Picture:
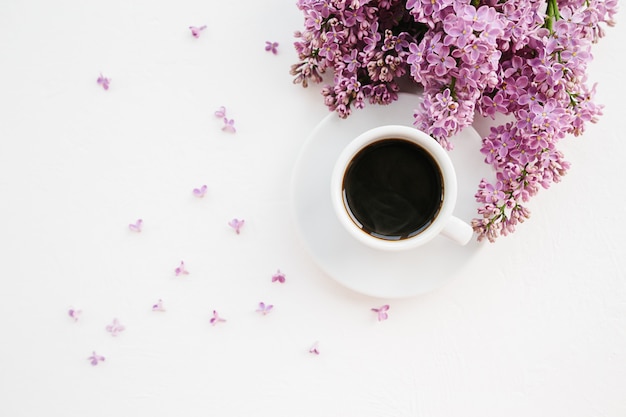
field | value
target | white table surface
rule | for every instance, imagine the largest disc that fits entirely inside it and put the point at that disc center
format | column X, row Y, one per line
column 533, row 325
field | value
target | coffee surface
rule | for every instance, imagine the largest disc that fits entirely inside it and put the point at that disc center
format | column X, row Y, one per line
column 393, row 189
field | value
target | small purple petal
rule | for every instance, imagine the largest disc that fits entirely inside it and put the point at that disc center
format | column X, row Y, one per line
column 315, row 348
column 221, row 112
column 271, row 47
column 195, row 31
column 264, row 309
column 216, row 319
column 94, row 359
column 200, row 192
column 115, row 328
column 136, row 227
column 381, row 312
column 229, row 125
column 236, row 224
column 158, row 306
column 279, row 277
column 181, row 269
column 103, row 81
column 74, row 314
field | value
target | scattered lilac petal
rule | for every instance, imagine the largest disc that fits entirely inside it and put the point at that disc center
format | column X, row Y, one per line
column 216, row 319
column 236, row 224
column 74, row 313
column 271, row 47
column 264, row 309
column 221, row 112
column 136, row 227
column 315, row 348
column 200, row 192
column 94, row 359
column 195, row 31
column 181, row 269
column 381, row 312
column 229, row 125
column 115, row 328
column 278, row 277
column 104, row 81
column 158, row 306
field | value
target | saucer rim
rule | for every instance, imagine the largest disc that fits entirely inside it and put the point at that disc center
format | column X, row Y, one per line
column 306, row 240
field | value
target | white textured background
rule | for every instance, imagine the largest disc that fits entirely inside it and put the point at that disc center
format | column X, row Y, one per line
column 535, row 325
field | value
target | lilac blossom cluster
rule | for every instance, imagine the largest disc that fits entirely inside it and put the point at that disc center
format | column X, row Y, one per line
column 526, row 59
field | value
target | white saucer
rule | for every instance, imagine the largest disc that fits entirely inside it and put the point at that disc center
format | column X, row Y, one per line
column 352, row 264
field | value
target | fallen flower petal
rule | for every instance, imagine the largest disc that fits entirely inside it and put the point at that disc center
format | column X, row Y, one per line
column 181, row 269
column 279, row 277
column 216, row 319
column 236, row 224
column 264, row 309
column 94, row 359
column 115, row 328
column 315, row 348
column 136, row 227
column 195, row 31
column 74, row 314
column 221, row 112
column 158, row 306
column 103, row 81
column 271, row 47
column 229, row 125
column 200, row 192
column 381, row 312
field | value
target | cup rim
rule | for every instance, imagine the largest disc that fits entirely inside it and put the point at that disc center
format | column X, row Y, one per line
column 425, row 141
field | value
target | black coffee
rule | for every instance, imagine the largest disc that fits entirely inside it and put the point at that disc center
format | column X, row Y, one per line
column 393, row 189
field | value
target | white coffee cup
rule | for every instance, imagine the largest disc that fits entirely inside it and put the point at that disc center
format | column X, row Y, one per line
column 365, row 182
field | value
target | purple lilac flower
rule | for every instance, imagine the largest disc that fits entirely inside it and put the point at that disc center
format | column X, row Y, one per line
column 104, row 82
column 478, row 18
column 491, row 193
column 264, row 309
column 329, row 51
column 271, row 47
column 137, row 226
column 115, row 328
column 195, row 30
column 458, row 31
column 236, row 224
column 522, row 154
column 493, row 105
column 490, row 150
column 440, row 60
column 381, row 312
column 279, row 277
column 515, row 57
column 95, row 359
column 216, row 319
column 314, row 20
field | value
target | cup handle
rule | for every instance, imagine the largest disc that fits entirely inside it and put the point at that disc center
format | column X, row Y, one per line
column 457, row 230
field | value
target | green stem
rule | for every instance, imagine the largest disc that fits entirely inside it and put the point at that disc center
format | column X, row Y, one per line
column 452, row 91
column 552, row 14
column 555, row 9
